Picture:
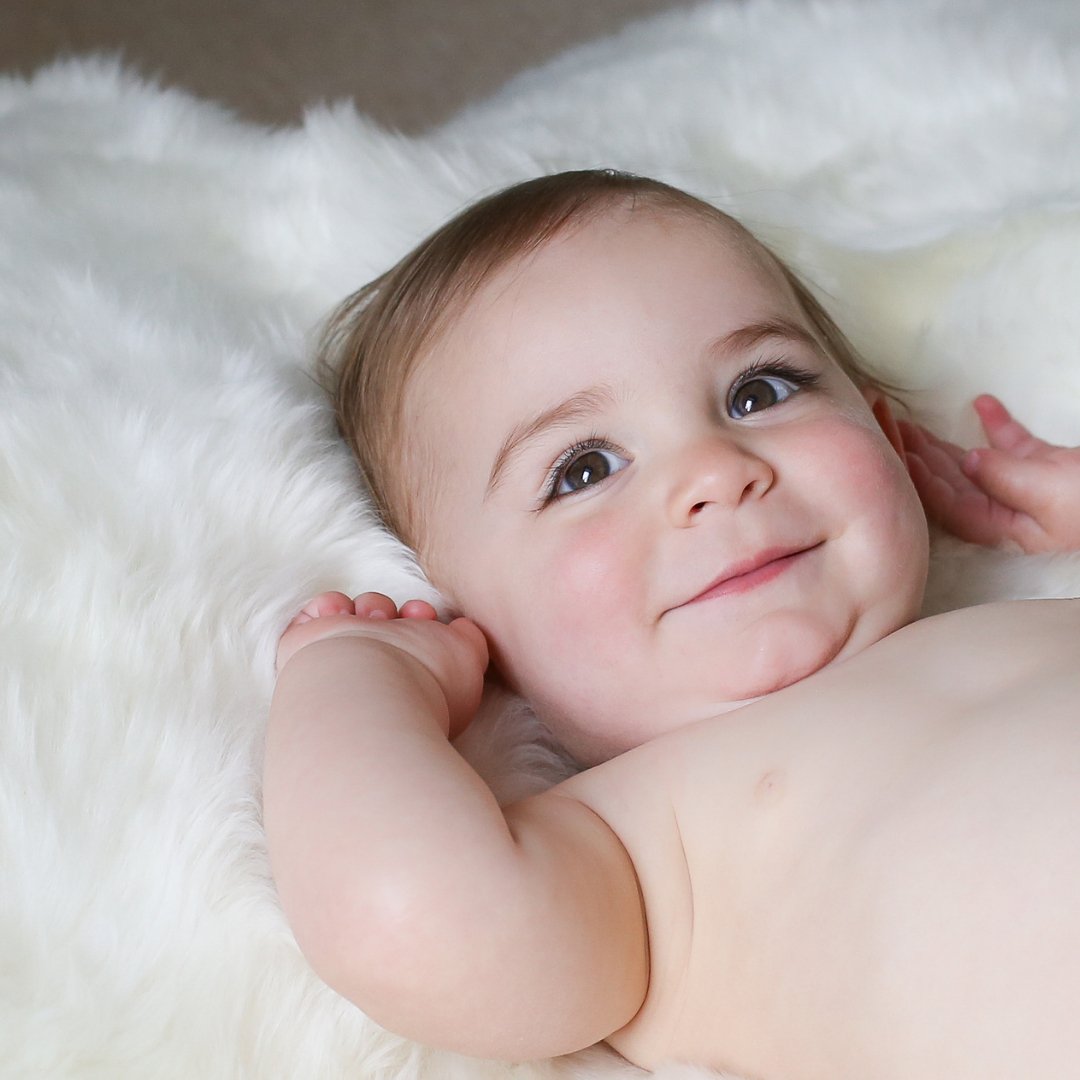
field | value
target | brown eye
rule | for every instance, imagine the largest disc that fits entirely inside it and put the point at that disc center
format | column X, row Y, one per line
column 585, row 469
column 754, row 396
column 764, row 391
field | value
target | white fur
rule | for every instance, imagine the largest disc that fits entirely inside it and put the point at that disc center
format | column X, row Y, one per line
column 171, row 488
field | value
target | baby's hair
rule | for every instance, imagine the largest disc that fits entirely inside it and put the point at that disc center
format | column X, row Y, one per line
column 373, row 341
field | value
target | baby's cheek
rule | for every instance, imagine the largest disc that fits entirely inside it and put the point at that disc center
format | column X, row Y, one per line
column 593, row 588
column 886, row 516
column 885, row 475
column 859, row 461
column 588, row 617
column 593, row 572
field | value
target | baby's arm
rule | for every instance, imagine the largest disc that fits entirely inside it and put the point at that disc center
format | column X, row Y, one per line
column 1019, row 489
column 513, row 933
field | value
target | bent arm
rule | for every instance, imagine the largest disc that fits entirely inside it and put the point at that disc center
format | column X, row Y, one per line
column 514, row 934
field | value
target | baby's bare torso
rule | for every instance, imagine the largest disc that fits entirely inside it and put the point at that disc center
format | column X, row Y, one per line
column 875, row 872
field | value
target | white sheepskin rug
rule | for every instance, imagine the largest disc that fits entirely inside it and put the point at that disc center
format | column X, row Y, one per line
column 171, row 487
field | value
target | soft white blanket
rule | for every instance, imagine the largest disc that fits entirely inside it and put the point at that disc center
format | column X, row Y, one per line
column 171, row 488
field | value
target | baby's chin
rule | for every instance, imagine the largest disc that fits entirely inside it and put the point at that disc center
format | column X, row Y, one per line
column 783, row 677
column 783, row 665
column 800, row 664
column 798, row 650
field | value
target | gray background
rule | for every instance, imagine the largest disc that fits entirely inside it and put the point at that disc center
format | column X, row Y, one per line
column 407, row 63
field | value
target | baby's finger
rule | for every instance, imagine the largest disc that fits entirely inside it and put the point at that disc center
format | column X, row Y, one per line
column 1002, row 431
column 375, row 605
column 1018, row 486
column 941, row 457
column 327, row 603
column 418, row 609
column 954, row 502
column 1002, row 476
column 924, row 442
column 939, row 498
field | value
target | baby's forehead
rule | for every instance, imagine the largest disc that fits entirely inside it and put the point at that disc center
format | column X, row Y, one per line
column 558, row 257
column 570, row 264
column 600, row 232
column 467, row 328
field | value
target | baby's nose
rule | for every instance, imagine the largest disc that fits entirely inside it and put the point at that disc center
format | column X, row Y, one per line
column 716, row 472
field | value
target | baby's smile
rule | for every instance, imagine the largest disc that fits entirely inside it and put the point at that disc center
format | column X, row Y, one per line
column 750, row 573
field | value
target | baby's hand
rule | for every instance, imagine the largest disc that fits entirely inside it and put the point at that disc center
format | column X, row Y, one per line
column 455, row 654
column 1019, row 489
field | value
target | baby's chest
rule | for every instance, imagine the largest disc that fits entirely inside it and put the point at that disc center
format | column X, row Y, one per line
column 751, row 832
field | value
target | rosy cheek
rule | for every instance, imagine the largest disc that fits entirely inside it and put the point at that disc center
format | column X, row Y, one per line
column 879, row 497
column 860, row 456
column 592, row 569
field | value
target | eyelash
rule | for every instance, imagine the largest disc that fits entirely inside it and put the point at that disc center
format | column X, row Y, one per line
column 799, row 377
column 551, row 486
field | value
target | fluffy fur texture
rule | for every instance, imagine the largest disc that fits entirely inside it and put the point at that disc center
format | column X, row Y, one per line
column 171, row 488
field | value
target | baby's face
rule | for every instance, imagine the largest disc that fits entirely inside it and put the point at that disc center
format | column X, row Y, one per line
column 624, row 419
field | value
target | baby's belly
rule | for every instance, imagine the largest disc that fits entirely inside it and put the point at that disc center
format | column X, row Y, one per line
column 840, row 858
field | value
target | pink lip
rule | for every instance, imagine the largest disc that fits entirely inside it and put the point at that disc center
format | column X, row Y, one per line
column 747, row 575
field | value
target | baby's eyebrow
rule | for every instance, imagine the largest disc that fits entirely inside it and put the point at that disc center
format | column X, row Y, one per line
column 576, row 407
column 747, row 337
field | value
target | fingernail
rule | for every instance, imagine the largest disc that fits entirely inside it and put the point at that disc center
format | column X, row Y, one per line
column 378, row 613
column 970, row 461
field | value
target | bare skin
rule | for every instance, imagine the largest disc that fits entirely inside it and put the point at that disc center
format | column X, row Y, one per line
column 833, row 881
column 880, row 883
column 860, row 863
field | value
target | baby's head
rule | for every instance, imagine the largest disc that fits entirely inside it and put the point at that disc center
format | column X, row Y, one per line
column 588, row 399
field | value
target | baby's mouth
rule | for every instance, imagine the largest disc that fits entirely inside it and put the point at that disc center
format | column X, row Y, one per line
column 750, row 573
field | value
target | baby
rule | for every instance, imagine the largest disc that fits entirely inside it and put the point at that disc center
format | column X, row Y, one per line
column 815, row 836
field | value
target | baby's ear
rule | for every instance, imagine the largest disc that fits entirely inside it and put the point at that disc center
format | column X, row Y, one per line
column 879, row 406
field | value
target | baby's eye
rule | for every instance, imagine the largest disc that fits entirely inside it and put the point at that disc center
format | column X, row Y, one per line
column 582, row 467
column 757, row 391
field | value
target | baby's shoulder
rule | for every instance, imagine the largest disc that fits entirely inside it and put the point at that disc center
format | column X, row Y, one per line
column 1046, row 611
column 1009, row 632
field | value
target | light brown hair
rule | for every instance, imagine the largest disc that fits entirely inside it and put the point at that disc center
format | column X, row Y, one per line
column 373, row 341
